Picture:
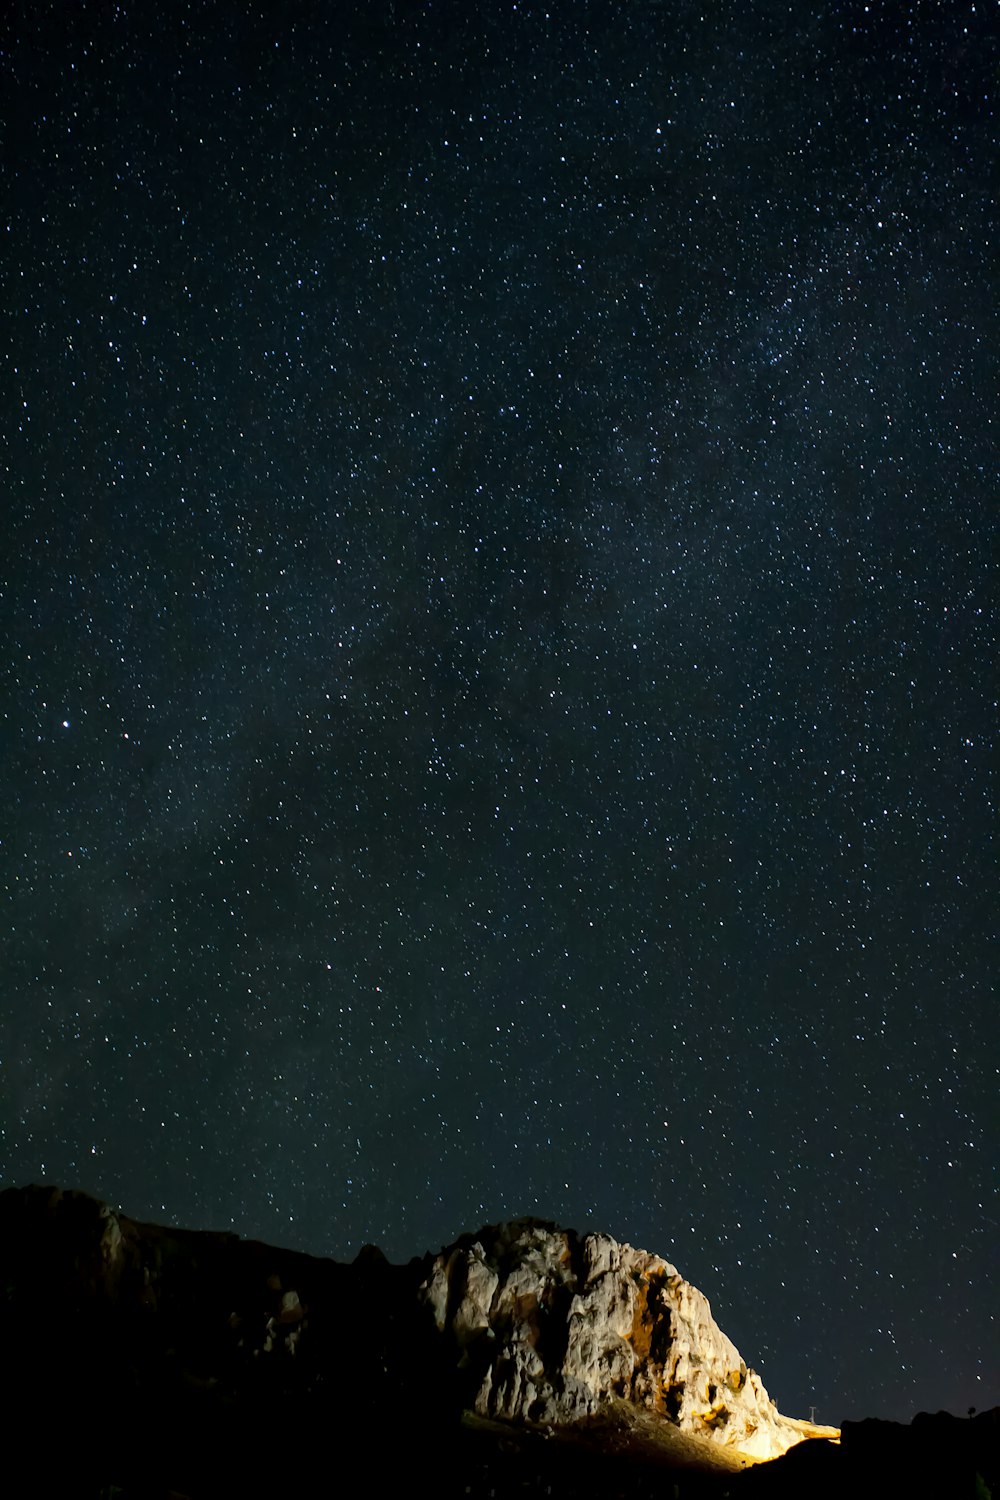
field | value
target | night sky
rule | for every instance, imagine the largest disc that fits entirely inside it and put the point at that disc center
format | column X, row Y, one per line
column 497, row 656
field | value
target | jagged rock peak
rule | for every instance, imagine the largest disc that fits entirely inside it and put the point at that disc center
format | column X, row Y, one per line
column 553, row 1326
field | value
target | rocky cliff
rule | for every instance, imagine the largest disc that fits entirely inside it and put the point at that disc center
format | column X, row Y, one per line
column 143, row 1344
column 552, row 1326
column 150, row 1362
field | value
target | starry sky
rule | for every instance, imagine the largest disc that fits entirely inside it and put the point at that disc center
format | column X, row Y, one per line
column 497, row 656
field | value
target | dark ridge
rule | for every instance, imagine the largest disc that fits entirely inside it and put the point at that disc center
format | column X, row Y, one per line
column 152, row 1363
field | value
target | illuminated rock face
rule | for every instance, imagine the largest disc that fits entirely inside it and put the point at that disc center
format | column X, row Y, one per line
column 552, row 1326
column 533, row 1323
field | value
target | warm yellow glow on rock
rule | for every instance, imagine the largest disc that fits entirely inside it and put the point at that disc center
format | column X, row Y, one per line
column 555, row 1327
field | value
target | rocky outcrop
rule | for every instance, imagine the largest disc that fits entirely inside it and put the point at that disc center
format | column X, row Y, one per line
column 144, row 1360
column 524, row 1322
column 552, row 1327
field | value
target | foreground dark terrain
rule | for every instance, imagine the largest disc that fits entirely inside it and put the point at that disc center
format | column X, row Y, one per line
column 141, row 1361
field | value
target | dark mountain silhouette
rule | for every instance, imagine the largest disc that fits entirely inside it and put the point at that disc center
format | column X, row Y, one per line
column 143, row 1361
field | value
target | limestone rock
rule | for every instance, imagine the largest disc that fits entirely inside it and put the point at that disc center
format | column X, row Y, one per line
column 553, row 1327
column 523, row 1321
